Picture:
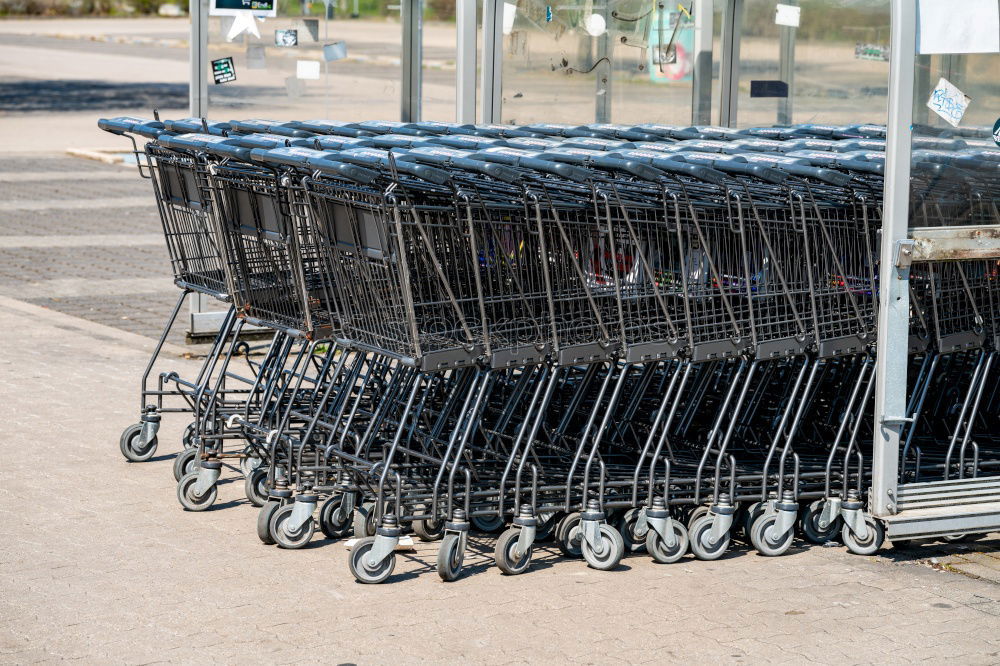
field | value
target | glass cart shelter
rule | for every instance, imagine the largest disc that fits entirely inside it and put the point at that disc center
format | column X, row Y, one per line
column 735, row 63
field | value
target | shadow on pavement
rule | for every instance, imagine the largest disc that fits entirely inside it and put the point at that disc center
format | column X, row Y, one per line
column 70, row 95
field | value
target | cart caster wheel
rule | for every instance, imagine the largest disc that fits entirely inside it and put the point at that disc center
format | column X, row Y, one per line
column 187, row 498
column 329, row 525
column 696, row 513
column 568, row 535
column 751, row 514
column 186, row 462
column 249, row 463
column 450, row 557
column 659, row 550
column 364, row 520
column 874, row 540
column 809, row 520
column 634, row 543
column 488, row 524
column 292, row 540
column 358, row 563
column 612, row 550
column 508, row 560
column 428, row 529
column 188, row 438
column 547, row 525
column 959, row 538
column 129, row 445
column 698, row 536
column 763, row 542
column 255, row 487
column 264, row 521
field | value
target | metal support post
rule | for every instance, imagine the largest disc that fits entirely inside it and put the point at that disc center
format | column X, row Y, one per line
column 198, row 50
column 491, row 88
column 412, row 58
column 894, row 298
column 701, row 87
column 202, row 321
column 786, row 69
column 732, row 24
column 465, row 61
column 603, row 70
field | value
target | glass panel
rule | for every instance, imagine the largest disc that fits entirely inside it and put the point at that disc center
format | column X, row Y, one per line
column 954, row 155
column 835, row 65
column 622, row 61
column 438, row 65
column 284, row 75
column 955, row 304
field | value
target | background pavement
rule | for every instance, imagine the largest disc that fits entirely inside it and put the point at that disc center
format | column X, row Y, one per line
column 99, row 563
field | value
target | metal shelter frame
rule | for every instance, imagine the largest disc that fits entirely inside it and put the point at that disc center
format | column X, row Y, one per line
column 900, row 243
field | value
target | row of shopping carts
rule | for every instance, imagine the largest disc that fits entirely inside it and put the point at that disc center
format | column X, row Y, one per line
column 623, row 339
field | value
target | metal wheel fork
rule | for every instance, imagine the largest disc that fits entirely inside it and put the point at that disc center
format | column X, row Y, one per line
column 787, row 511
column 528, row 524
column 657, row 518
column 150, row 420
column 386, row 540
column 853, row 516
column 590, row 526
column 722, row 513
column 302, row 511
column 208, row 474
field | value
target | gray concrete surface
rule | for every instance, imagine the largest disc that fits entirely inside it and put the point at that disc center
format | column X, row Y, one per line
column 84, row 238
column 99, row 564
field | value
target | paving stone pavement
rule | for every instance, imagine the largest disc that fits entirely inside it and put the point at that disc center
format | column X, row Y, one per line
column 99, row 564
column 84, row 238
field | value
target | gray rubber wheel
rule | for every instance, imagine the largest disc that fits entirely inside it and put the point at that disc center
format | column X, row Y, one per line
column 187, row 439
column 285, row 538
column 568, row 535
column 809, row 522
column 186, row 462
column 767, row 544
column 659, row 550
column 547, row 524
column 187, row 498
column 255, row 487
column 128, row 444
column 249, row 462
column 635, row 542
column 959, row 538
column 357, row 561
column 427, row 529
column 750, row 514
column 508, row 560
column 450, row 557
column 330, row 525
column 868, row 546
column 695, row 514
column 698, row 538
column 364, row 520
column 611, row 552
column 264, row 521
column 488, row 524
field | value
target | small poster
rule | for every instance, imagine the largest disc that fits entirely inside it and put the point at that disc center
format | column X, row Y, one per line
column 286, row 38
column 335, row 51
column 307, row 69
column 223, row 70
column 948, row 102
column 259, row 8
column 788, row 15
